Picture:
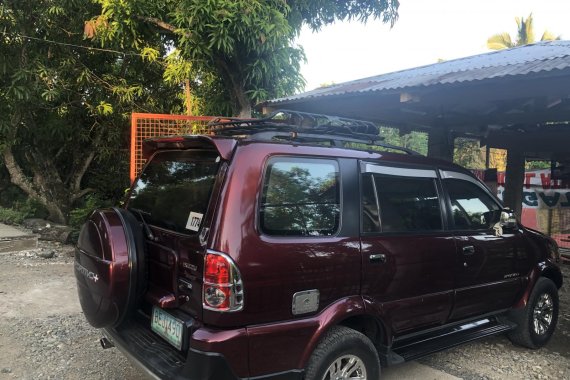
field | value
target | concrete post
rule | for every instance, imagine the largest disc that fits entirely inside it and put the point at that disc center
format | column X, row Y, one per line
column 514, row 181
column 440, row 144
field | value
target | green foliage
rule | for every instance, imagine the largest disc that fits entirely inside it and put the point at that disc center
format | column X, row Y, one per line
column 240, row 51
column 78, row 215
column 530, row 165
column 109, row 176
column 11, row 216
column 468, row 153
column 414, row 140
column 20, row 211
column 66, row 103
column 30, row 208
column 525, row 36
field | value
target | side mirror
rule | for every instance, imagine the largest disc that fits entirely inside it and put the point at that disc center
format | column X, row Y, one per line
column 508, row 219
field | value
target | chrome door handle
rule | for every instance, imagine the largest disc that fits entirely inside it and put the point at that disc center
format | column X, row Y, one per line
column 377, row 258
column 468, row 250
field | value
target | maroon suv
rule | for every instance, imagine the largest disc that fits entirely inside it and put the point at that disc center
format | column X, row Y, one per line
column 303, row 247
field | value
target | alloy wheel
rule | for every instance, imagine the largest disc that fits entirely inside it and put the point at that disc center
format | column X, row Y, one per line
column 346, row 367
column 542, row 314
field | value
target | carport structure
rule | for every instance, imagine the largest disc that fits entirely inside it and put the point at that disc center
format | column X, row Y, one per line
column 516, row 99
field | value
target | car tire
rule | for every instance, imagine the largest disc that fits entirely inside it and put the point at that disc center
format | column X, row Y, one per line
column 138, row 262
column 344, row 349
column 537, row 321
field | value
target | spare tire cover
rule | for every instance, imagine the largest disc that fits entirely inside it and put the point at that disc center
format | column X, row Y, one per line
column 110, row 266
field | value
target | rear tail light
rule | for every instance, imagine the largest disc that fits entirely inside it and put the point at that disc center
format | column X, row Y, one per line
column 223, row 289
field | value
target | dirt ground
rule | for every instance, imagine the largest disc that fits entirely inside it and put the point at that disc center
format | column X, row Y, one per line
column 43, row 334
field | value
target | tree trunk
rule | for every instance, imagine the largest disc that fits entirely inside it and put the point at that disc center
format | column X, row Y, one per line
column 245, row 111
column 56, row 201
column 233, row 76
column 56, row 215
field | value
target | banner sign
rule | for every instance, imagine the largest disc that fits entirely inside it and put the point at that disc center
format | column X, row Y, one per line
column 539, row 190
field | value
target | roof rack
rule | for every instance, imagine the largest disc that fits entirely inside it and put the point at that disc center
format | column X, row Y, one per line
column 304, row 127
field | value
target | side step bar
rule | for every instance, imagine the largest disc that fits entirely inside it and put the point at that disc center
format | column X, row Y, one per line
column 422, row 345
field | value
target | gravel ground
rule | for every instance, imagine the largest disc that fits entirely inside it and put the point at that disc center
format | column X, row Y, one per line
column 43, row 334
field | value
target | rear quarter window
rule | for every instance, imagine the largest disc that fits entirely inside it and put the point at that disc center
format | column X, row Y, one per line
column 301, row 197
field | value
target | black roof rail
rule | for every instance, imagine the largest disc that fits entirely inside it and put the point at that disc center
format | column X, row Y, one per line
column 304, row 127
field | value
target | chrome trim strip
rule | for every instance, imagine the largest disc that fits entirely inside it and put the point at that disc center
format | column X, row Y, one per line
column 446, row 174
column 118, row 343
column 235, row 283
column 402, row 172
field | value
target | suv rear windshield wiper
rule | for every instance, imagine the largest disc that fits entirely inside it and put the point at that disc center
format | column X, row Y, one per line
column 147, row 229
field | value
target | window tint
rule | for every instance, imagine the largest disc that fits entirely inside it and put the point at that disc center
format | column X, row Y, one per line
column 173, row 185
column 300, row 197
column 406, row 204
column 472, row 207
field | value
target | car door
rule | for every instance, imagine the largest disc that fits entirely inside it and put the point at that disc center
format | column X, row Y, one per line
column 407, row 253
column 486, row 276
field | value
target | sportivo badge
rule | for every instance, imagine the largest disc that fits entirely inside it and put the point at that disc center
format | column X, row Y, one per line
column 86, row 272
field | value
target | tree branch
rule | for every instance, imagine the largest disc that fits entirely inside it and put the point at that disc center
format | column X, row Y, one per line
column 79, row 171
column 17, row 176
column 80, row 194
column 237, row 88
column 158, row 22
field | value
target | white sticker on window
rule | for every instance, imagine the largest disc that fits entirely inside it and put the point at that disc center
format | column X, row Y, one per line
column 194, row 221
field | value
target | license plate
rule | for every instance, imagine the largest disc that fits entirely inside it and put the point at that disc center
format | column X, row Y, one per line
column 168, row 327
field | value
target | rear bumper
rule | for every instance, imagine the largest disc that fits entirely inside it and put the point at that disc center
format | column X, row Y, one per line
column 121, row 346
column 158, row 360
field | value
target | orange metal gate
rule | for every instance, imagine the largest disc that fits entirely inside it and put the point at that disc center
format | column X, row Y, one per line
column 147, row 125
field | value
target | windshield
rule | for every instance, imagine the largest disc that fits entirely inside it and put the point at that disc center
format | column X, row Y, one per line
column 174, row 189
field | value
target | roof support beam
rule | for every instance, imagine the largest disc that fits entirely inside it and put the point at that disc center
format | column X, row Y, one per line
column 440, row 144
column 514, row 181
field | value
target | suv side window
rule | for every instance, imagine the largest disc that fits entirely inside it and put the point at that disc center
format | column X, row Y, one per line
column 301, row 197
column 406, row 204
column 471, row 206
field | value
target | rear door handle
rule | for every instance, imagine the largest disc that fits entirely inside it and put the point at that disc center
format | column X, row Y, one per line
column 377, row 258
column 468, row 250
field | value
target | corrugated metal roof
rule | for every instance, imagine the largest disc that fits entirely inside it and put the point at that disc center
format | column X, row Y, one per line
column 534, row 58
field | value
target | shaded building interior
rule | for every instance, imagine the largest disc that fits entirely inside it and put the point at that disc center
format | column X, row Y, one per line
column 516, row 99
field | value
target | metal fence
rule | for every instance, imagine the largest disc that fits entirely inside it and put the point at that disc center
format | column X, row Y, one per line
column 146, row 125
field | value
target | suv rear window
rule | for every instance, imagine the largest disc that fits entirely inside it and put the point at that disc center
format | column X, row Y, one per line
column 174, row 189
column 300, row 197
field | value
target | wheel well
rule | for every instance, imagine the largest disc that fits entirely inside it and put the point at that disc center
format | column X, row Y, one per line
column 553, row 275
column 367, row 325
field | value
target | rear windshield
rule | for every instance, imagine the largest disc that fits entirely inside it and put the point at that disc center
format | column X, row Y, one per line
column 174, row 189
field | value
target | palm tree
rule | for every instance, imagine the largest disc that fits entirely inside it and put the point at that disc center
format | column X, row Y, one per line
column 525, row 36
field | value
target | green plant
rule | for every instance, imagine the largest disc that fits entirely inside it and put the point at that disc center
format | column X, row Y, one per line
column 78, row 215
column 233, row 53
column 65, row 104
column 20, row 210
column 11, row 216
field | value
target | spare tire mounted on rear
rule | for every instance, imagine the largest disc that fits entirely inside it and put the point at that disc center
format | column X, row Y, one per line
column 110, row 266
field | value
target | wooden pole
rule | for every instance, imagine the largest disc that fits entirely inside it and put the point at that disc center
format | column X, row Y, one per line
column 188, row 97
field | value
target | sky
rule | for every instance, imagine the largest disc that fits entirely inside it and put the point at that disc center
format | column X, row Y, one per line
column 426, row 30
